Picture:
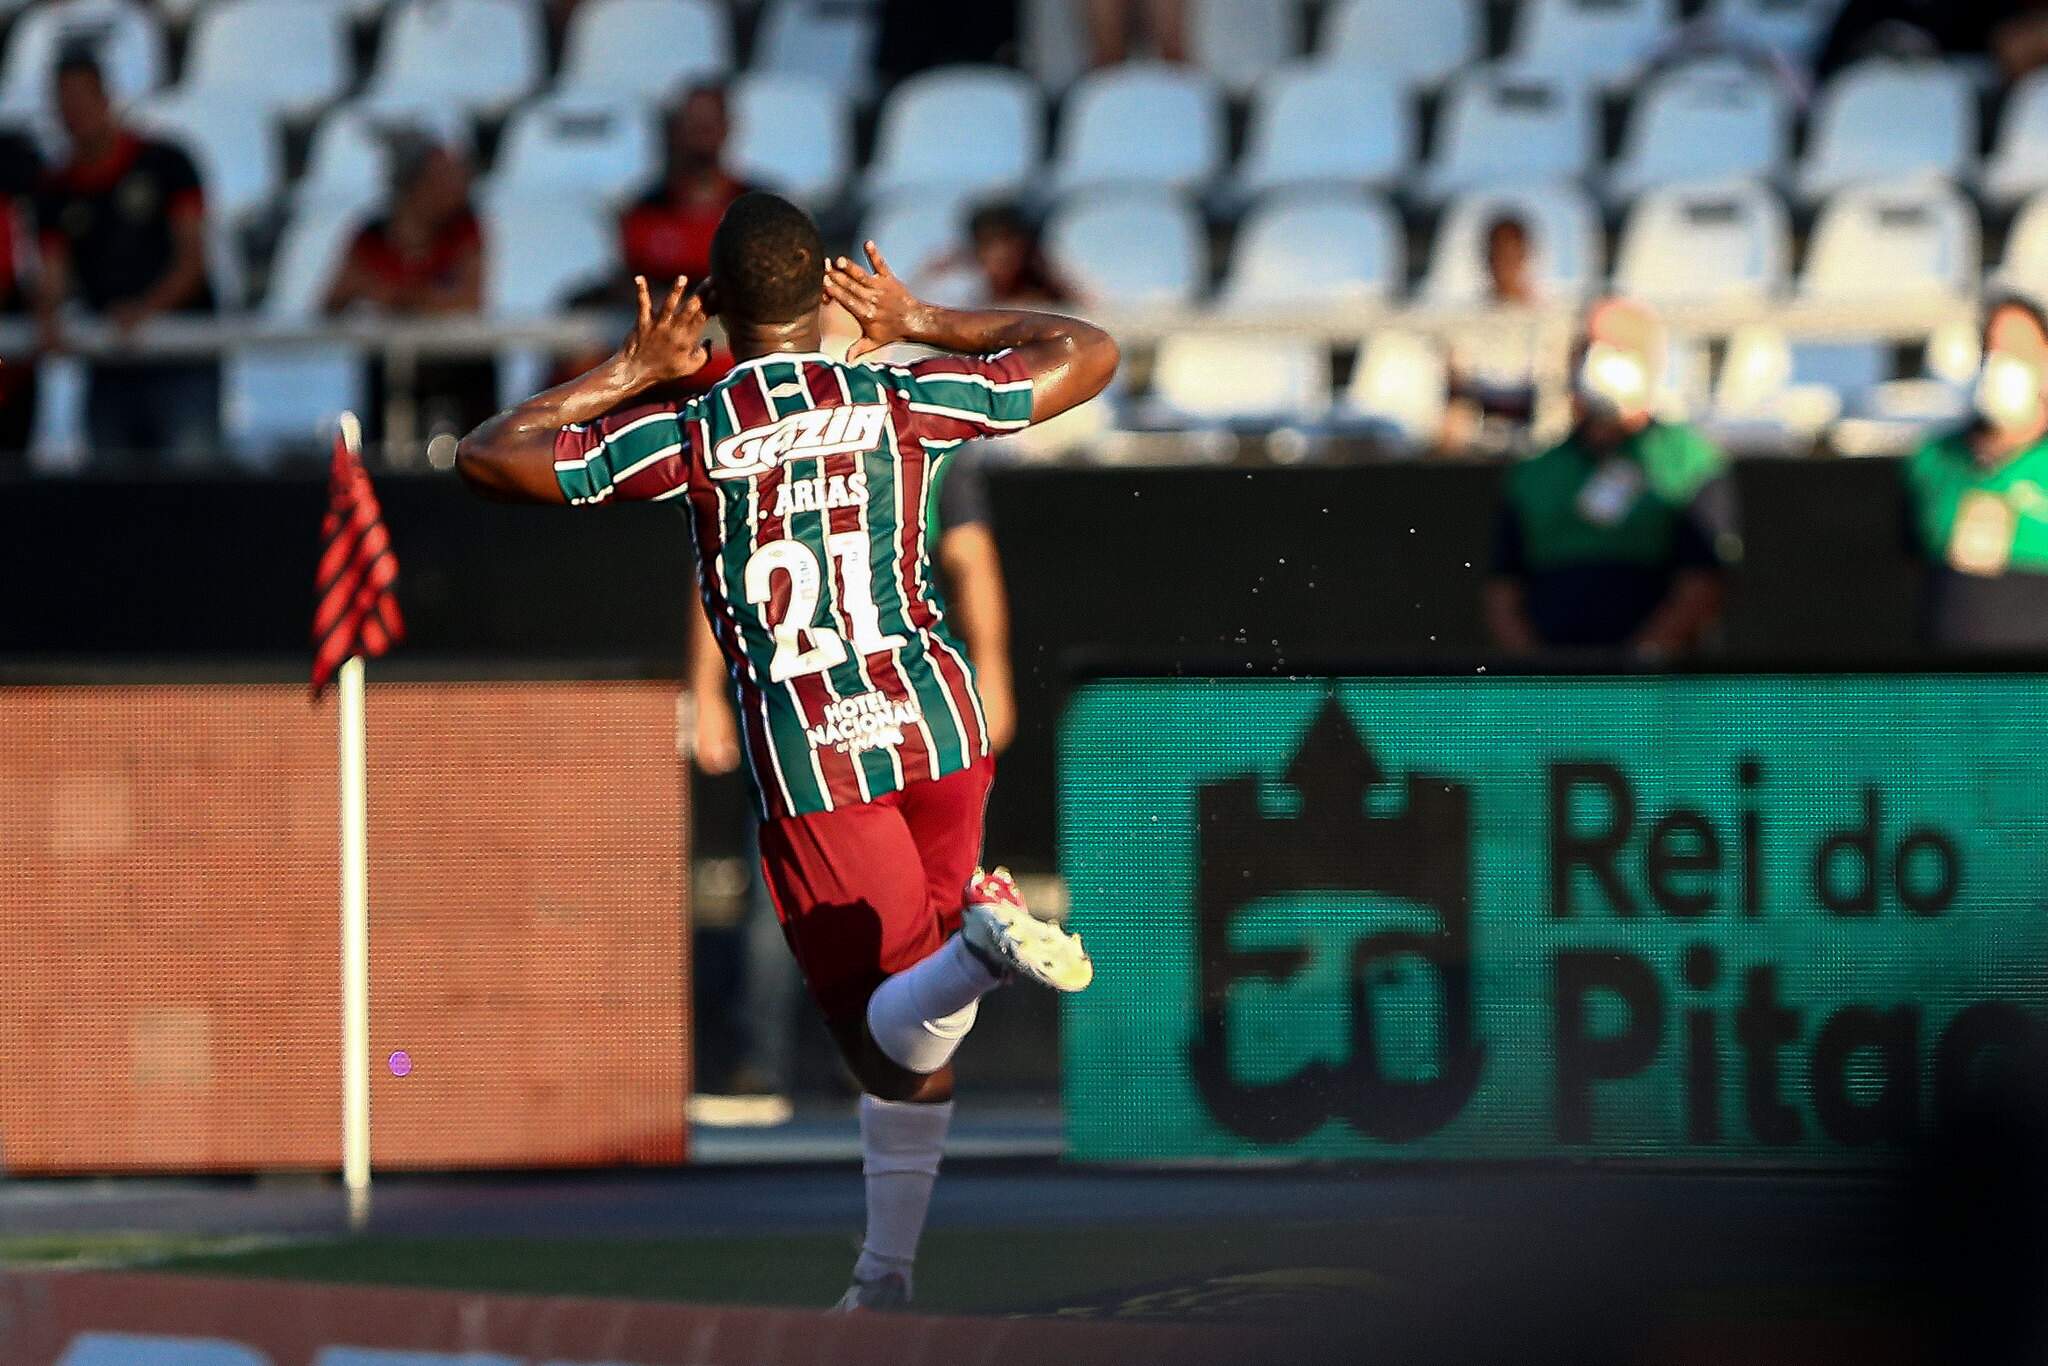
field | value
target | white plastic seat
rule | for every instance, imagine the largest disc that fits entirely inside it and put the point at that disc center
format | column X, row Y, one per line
column 1135, row 247
column 2018, row 164
column 234, row 145
column 1713, row 120
column 963, row 130
column 1418, row 44
column 1309, row 250
column 1878, row 241
column 1497, row 129
column 1236, row 377
column 126, row 38
column 1790, row 28
column 643, row 49
column 281, row 56
column 1326, row 124
column 1401, row 382
column 537, row 254
column 792, row 133
column 916, row 233
column 1883, row 120
column 1240, row 41
column 830, row 43
column 1564, row 243
column 575, row 147
column 287, row 396
column 2025, row 265
column 480, row 56
column 1594, row 42
column 1141, row 123
column 1701, row 243
column 348, row 164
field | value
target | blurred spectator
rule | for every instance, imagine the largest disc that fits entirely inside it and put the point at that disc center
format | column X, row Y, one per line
column 668, row 230
column 1114, row 25
column 1002, row 265
column 1493, row 386
column 1614, row 537
column 917, row 35
column 2013, row 32
column 977, row 605
column 20, row 170
column 1978, row 499
column 122, row 224
column 423, row 259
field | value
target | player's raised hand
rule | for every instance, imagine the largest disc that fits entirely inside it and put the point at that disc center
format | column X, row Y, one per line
column 666, row 343
column 880, row 302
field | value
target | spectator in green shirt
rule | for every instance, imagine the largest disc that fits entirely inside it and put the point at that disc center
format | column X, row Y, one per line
column 1614, row 538
column 1977, row 499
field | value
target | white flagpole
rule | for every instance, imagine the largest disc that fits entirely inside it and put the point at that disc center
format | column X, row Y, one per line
column 355, row 926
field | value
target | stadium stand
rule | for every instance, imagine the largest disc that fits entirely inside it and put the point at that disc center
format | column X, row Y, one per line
column 1709, row 120
column 127, row 39
column 1418, row 45
column 279, row 58
column 1564, row 229
column 1883, row 119
column 793, row 133
column 1324, row 124
column 1141, row 247
column 481, row 56
column 575, row 147
column 1600, row 42
column 1315, row 249
column 1140, row 124
column 644, row 49
column 1222, row 378
column 957, row 132
column 1705, row 242
column 1500, row 127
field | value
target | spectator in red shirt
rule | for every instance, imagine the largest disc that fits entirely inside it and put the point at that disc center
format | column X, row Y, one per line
column 668, row 231
column 20, row 171
column 122, row 224
column 423, row 259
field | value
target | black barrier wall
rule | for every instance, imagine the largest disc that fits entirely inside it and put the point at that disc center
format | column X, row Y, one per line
column 1228, row 570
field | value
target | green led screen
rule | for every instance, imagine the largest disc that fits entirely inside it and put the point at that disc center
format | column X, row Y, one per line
column 1686, row 917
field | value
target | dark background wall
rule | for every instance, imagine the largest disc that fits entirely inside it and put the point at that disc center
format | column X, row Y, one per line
column 1190, row 569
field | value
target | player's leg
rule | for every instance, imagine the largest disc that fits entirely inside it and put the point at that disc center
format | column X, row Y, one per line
column 850, row 889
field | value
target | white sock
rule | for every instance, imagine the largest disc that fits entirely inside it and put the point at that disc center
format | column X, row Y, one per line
column 900, row 1147
column 919, row 1016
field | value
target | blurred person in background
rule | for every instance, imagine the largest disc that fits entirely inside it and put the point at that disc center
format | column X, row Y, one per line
column 1615, row 537
column 122, row 228
column 917, row 35
column 979, row 609
column 667, row 231
column 1115, row 28
column 1492, row 389
column 423, row 259
column 1003, row 265
column 21, row 170
column 1978, row 499
column 2014, row 33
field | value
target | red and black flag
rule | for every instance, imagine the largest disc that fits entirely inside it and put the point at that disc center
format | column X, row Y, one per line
column 357, row 612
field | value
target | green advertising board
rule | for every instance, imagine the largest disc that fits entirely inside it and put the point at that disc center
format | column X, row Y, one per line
column 1709, row 917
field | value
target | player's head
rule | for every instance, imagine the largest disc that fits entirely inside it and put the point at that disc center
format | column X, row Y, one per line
column 767, row 262
column 81, row 90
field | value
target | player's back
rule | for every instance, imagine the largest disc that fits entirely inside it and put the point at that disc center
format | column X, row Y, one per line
column 810, row 487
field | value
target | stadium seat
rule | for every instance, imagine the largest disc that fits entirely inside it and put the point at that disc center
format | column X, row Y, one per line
column 285, row 57
column 1323, row 124
column 1564, row 240
column 917, row 233
column 1240, row 41
column 565, row 145
column 1917, row 237
column 2018, row 164
column 1141, row 123
column 830, row 43
column 1133, row 247
column 790, row 132
column 537, row 254
column 1233, row 378
column 643, row 49
column 480, row 56
column 1704, row 243
column 1418, row 44
column 278, row 397
column 1597, row 42
column 1711, row 120
column 1497, row 130
column 2025, row 264
column 1756, row 401
column 1398, row 388
column 235, row 146
column 960, row 131
column 127, row 38
column 1881, row 120
column 348, row 164
column 1315, row 249
column 1052, row 42
column 1791, row 28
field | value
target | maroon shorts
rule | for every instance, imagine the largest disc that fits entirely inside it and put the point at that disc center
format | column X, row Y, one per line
column 868, row 890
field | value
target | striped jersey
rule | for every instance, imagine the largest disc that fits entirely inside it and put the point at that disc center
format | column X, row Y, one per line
column 809, row 487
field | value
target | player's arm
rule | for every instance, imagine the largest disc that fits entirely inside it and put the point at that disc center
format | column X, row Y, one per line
column 512, row 456
column 1069, row 361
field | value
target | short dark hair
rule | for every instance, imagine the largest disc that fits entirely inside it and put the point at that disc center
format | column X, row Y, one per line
column 76, row 59
column 767, row 260
column 1508, row 222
